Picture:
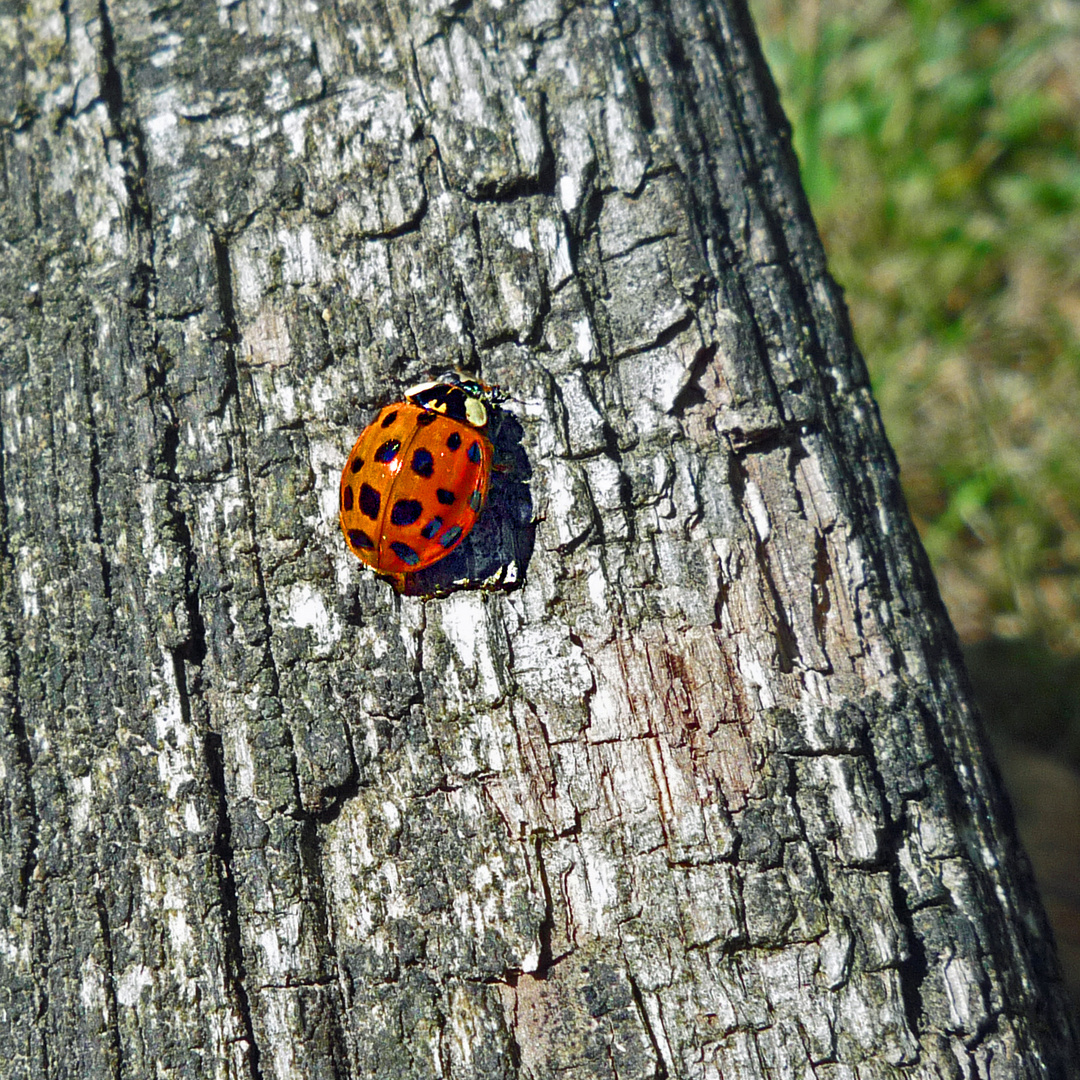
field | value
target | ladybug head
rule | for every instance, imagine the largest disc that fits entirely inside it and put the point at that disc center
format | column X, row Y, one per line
column 461, row 399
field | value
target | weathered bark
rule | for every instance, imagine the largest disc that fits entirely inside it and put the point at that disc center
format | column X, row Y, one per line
column 701, row 797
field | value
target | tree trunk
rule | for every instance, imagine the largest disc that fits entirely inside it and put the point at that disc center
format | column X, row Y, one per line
column 692, row 788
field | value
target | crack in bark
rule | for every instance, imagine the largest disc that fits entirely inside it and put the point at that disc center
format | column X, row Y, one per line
column 639, row 80
column 787, row 649
column 235, row 968
column 97, row 516
column 111, row 1005
column 194, row 649
column 230, row 339
column 792, row 790
column 913, row 969
column 661, row 1071
column 312, row 864
column 10, row 655
column 133, row 162
column 523, row 187
column 691, row 393
column 820, row 599
column 546, row 961
column 23, row 779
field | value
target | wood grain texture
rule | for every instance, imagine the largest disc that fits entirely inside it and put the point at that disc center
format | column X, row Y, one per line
column 694, row 791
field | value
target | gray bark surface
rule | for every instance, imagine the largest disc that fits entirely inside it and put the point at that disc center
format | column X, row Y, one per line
column 693, row 790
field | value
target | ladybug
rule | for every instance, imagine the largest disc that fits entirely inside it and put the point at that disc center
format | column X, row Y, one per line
column 417, row 478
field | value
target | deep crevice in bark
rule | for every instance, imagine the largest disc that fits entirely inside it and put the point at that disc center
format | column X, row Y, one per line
column 643, row 92
column 691, row 395
column 661, row 1071
column 116, row 1050
column 235, row 966
column 310, row 847
column 134, row 162
column 227, row 310
column 97, row 516
column 22, row 781
column 230, row 340
column 914, row 968
column 547, row 924
column 665, row 337
column 820, row 874
column 787, row 649
column 9, row 650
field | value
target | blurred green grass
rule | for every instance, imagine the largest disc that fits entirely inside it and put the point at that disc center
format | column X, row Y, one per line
column 939, row 147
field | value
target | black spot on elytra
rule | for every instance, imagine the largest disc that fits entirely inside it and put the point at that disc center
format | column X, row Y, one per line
column 404, row 553
column 451, row 536
column 347, row 498
column 445, row 497
column 454, row 441
column 389, row 418
column 405, row 512
column 476, row 500
column 426, row 418
column 388, row 451
column 357, row 464
column 423, row 464
column 474, row 453
column 370, row 501
column 360, row 539
column 431, row 528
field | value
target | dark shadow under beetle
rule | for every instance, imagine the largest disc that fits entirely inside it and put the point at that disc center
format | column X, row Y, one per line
column 496, row 553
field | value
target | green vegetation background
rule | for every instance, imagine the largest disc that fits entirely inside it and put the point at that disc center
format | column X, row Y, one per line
column 939, row 144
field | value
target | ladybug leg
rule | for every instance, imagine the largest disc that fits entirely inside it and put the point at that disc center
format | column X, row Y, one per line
column 400, row 582
column 403, row 584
